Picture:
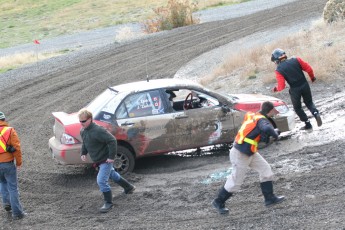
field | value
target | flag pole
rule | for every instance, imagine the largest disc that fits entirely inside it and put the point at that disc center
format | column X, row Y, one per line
column 37, row 43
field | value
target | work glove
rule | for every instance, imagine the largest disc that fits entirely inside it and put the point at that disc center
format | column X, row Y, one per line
column 313, row 79
column 274, row 90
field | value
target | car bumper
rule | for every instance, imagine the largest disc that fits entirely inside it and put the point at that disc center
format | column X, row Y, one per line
column 66, row 154
column 285, row 122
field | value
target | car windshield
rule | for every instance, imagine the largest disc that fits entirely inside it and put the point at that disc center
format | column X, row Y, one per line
column 98, row 103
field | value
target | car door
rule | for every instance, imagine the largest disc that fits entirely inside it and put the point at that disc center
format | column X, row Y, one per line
column 204, row 124
column 142, row 120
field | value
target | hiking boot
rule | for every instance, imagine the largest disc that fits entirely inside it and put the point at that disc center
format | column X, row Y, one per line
column 307, row 126
column 318, row 118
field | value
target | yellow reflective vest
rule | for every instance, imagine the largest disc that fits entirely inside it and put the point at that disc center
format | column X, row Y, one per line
column 248, row 125
column 5, row 133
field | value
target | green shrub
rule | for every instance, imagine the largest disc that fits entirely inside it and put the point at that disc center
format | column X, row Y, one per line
column 177, row 13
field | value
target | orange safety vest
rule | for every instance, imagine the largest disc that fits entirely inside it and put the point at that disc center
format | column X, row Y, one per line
column 5, row 133
column 249, row 123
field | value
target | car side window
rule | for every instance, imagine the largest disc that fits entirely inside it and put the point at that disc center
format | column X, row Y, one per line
column 195, row 100
column 141, row 104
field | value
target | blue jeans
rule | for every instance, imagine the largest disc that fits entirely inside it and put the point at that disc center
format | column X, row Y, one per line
column 9, row 188
column 106, row 171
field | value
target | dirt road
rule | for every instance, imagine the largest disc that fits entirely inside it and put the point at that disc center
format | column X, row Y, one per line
column 172, row 192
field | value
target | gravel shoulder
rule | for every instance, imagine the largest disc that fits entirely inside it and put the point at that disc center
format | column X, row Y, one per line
column 172, row 192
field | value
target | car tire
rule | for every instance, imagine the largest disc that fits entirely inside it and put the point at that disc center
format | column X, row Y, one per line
column 124, row 161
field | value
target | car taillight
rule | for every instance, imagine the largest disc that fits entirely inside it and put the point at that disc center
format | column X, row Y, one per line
column 282, row 108
column 253, row 107
column 68, row 140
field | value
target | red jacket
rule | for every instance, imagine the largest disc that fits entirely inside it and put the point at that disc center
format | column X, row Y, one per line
column 14, row 141
column 303, row 65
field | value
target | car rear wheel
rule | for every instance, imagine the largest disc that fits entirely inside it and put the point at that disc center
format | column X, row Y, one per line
column 124, row 160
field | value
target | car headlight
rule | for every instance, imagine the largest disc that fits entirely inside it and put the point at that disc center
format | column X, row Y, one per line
column 282, row 109
column 68, row 139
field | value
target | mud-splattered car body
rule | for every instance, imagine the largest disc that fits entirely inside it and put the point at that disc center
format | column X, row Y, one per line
column 145, row 120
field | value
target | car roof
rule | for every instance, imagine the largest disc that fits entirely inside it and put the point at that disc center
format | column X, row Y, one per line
column 154, row 84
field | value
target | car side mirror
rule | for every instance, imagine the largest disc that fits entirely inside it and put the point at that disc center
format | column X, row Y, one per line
column 225, row 109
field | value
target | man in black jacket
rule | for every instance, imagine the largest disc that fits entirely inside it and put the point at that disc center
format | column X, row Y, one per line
column 101, row 145
column 291, row 71
column 244, row 155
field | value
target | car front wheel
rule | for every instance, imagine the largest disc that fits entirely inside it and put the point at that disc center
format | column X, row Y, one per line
column 124, row 160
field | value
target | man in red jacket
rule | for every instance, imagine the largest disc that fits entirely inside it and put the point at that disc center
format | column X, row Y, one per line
column 10, row 157
column 291, row 71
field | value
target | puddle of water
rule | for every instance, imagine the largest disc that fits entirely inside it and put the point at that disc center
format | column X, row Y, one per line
column 217, row 176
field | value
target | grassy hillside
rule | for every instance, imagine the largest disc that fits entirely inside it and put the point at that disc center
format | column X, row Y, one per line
column 321, row 46
column 23, row 21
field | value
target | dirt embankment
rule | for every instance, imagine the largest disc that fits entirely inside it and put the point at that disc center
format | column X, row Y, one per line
column 173, row 192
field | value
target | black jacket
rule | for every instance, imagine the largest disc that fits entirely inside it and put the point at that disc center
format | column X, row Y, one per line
column 98, row 142
column 292, row 71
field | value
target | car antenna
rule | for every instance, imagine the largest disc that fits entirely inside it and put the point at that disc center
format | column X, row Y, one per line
column 147, row 75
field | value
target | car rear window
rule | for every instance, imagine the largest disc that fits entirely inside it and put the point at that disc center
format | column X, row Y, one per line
column 96, row 105
column 141, row 104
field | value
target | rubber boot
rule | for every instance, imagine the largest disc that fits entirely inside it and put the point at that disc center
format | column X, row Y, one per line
column 318, row 118
column 307, row 126
column 128, row 188
column 219, row 202
column 108, row 202
column 267, row 191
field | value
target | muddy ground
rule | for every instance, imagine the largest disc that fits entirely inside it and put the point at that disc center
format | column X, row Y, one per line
column 174, row 192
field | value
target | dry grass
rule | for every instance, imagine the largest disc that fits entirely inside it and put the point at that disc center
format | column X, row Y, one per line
column 125, row 33
column 41, row 19
column 322, row 47
column 23, row 21
column 14, row 61
column 177, row 13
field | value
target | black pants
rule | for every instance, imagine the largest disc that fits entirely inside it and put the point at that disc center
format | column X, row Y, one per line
column 296, row 94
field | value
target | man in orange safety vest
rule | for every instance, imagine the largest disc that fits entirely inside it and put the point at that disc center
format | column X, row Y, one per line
column 10, row 162
column 244, row 155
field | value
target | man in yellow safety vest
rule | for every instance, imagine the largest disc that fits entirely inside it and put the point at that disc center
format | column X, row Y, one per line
column 244, row 155
column 10, row 162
